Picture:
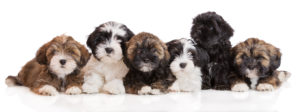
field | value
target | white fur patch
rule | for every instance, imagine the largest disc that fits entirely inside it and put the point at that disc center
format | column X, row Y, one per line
column 253, row 82
column 62, row 70
column 92, row 83
column 114, row 87
column 283, row 75
column 10, row 82
column 48, row 90
column 114, row 27
column 146, row 67
column 252, row 73
column 175, row 87
column 240, row 87
column 189, row 77
column 265, row 87
column 73, row 90
column 155, row 91
column 145, row 90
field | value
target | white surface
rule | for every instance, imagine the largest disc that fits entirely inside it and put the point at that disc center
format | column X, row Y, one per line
column 25, row 25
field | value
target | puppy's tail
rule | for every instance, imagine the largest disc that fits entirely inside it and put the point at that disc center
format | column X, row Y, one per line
column 282, row 75
column 12, row 81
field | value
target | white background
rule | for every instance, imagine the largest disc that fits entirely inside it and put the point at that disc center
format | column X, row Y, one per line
column 25, row 25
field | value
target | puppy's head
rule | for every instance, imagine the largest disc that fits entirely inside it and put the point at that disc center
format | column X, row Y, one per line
column 63, row 55
column 185, row 56
column 107, row 41
column 255, row 58
column 146, row 52
column 209, row 29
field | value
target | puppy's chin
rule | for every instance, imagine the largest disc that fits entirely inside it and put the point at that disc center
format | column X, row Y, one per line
column 62, row 70
column 252, row 73
column 146, row 67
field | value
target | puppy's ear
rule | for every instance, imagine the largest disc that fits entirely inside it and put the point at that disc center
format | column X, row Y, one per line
column 224, row 27
column 129, row 33
column 202, row 57
column 41, row 57
column 92, row 39
column 275, row 59
column 85, row 55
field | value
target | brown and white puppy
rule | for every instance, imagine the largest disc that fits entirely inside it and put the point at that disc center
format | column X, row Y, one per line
column 255, row 63
column 147, row 58
column 56, row 67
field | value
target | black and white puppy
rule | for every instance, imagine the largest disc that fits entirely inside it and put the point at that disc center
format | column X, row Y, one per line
column 105, row 69
column 186, row 63
column 211, row 32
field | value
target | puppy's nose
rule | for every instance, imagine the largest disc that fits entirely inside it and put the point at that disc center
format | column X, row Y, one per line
column 182, row 65
column 108, row 50
column 62, row 61
column 146, row 60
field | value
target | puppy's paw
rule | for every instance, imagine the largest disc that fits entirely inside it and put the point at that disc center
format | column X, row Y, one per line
column 155, row 91
column 47, row 90
column 265, row 87
column 74, row 90
column 114, row 87
column 145, row 90
column 90, row 88
column 174, row 88
column 283, row 75
column 240, row 87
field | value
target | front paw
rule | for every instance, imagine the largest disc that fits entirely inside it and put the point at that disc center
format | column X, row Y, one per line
column 114, row 87
column 145, row 90
column 74, row 90
column 90, row 88
column 47, row 90
column 265, row 87
column 240, row 87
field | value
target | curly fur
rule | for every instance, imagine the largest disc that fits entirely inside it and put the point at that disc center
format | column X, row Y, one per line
column 255, row 62
column 147, row 58
column 211, row 32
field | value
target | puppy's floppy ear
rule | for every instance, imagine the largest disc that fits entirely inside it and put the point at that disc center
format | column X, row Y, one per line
column 202, row 56
column 129, row 33
column 92, row 39
column 85, row 55
column 41, row 57
column 224, row 27
column 275, row 59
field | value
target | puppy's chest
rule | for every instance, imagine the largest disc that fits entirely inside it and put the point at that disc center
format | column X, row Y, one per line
column 192, row 79
column 113, row 70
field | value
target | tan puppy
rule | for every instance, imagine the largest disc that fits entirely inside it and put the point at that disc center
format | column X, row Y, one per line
column 56, row 67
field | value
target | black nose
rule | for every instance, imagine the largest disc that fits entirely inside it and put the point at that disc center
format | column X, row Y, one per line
column 146, row 60
column 182, row 65
column 62, row 61
column 109, row 50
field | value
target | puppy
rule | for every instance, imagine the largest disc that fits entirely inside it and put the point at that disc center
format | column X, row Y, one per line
column 105, row 70
column 186, row 63
column 147, row 58
column 56, row 66
column 212, row 33
column 255, row 64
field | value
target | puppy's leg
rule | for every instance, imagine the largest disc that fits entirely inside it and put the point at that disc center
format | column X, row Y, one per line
column 74, row 82
column 174, row 87
column 282, row 75
column 46, row 85
column 92, row 83
column 45, row 90
column 268, row 84
column 115, row 86
column 237, row 84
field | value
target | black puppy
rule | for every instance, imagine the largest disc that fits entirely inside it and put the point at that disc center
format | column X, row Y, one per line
column 211, row 32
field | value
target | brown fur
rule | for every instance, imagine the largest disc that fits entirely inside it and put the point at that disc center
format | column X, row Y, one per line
column 268, row 55
column 36, row 73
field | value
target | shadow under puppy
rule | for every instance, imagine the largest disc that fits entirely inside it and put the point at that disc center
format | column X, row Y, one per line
column 147, row 58
column 212, row 33
column 186, row 63
column 105, row 69
column 56, row 66
column 255, row 64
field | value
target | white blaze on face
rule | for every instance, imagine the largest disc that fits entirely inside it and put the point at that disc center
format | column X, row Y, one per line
column 185, row 57
column 252, row 74
column 59, row 69
column 113, row 43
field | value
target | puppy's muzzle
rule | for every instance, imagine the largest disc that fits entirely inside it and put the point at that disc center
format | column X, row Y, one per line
column 109, row 50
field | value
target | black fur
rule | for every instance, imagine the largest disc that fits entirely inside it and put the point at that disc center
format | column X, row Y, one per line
column 211, row 32
column 98, row 36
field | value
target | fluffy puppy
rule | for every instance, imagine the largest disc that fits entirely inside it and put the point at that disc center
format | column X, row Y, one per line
column 56, row 66
column 186, row 63
column 105, row 70
column 147, row 57
column 211, row 32
column 255, row 63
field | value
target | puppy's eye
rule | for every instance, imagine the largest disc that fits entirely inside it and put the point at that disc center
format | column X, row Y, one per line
column 190, row 53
